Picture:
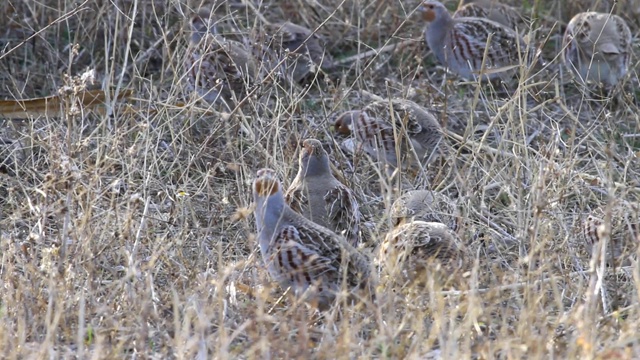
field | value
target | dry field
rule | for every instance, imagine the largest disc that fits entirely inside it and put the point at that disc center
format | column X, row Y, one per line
column 128, row 232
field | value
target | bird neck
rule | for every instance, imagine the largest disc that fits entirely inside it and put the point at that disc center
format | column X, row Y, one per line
column 316, row 167
column 438, row 30
column 268, row 214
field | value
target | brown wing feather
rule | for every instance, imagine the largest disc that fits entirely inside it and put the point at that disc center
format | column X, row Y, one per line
column 296, row 198
column 302, row 264
column 343, row 212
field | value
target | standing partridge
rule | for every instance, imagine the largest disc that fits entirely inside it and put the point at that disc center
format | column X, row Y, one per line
column 320, row 197
column 217, row 69
column 597, row 47
column 311, row 259
column 394, row 132
column 470, row 47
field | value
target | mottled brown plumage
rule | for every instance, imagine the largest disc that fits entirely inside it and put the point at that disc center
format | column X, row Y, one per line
column 416, row 250
column 597, row 47
column 492, row 10
column 394, row 132
column 217, row 69
column 304, row 51
column 471, row 46
column 424, row 205
column 620, row 224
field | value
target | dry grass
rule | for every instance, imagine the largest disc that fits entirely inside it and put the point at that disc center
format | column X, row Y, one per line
column 128, row 234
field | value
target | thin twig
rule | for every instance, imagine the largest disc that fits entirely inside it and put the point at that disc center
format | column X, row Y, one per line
column 374, row 52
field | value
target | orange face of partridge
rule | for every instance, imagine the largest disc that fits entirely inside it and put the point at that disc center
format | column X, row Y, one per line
column 343, row 123
column 428, row 11
column 266, row 183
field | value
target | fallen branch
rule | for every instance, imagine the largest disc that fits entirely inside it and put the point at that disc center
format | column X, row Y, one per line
column 52, row 106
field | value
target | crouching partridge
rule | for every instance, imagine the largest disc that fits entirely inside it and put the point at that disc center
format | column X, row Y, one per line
column 422, row 243
column 394, row 132
column 303, row 51
column 320, row 197
column 303, row 255
column 597, row 48
column 217, row 69
column 417, row 251
column 424, row 205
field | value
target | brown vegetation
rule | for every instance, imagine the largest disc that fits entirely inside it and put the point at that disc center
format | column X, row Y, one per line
column 127, row 232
